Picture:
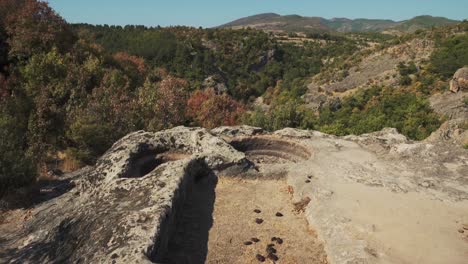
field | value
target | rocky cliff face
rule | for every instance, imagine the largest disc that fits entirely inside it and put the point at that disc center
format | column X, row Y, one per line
column 375, row 198
column 459, row 80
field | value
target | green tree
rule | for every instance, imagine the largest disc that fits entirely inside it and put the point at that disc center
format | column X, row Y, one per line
column 450, row 55
column 17, row 168
column 162, row 104
column 32, row 26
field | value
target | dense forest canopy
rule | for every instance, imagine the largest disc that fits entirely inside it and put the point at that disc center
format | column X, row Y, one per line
column 248, row 61
column 73, row 90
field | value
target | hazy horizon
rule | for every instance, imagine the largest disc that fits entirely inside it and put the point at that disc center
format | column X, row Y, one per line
column 210, row 13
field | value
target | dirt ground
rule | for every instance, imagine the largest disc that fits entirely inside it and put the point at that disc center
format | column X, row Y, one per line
column 234, row 223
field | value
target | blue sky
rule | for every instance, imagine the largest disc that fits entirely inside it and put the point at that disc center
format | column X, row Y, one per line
column 209, row 13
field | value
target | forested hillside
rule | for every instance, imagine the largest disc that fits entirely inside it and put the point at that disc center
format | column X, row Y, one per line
column 246, row 61
column 296, row 23
column 69, row 92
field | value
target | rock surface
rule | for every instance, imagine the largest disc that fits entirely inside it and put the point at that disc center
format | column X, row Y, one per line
column 454, row 131
column 380, row 198
column 450, row 105
column 216, row 83
column 121, row 210
column 374, row 198
column 459, row 80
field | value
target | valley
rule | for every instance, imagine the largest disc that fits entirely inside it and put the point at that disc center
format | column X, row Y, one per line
column 268, row 139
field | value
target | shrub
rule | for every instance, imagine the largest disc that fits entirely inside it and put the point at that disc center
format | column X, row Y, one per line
column 210, row 110
column 161, row 102
column 406, row 70
column 16, row 168
column 405, row 80
column 90, row 138
column 285, row 111
column 376, row 108
column 450, row 55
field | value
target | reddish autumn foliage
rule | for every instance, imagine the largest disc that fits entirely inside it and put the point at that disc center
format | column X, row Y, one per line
column 171, row 101
column 128, row 61
column 210, row 110
column 9, row 7
column 31, row 26
column 163, row 103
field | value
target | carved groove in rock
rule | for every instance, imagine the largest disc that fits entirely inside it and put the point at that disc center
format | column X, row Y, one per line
column 145, row 162
column 272, row 148
column 189, row 218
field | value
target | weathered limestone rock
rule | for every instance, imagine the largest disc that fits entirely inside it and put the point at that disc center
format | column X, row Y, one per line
column 374, row 198
column 450, row 105
column 455, row 131
column 216, row 83
column 459, row 80
column 238, row 131
column 380, row 198
column 123, row 209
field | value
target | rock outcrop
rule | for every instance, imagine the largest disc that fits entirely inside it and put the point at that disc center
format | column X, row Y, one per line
column 459, row 80
column 450, row 105
column 453, row 131
column 216, row 83
column 374, row 198
column 123, row 209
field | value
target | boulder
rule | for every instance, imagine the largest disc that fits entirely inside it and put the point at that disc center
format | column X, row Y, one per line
column 216, row 83
column 455, row 131
column 459, row 80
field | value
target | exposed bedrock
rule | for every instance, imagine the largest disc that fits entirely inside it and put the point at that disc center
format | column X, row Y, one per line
column 374, row 198
column 124, row 209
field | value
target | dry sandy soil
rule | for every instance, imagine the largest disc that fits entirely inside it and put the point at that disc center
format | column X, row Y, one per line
column 234, row 224
column 219, row 218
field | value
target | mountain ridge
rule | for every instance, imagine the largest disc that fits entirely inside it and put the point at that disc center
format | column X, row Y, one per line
column 297, row 23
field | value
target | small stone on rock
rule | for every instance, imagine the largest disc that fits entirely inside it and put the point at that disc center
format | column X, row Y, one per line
column 260, row 258
column 270, row 250
column 248, row 243
column 256, row 240
column 257, row 211
column 258, row 221
column 278, row 214
column 273, row 257
column 279, row 241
